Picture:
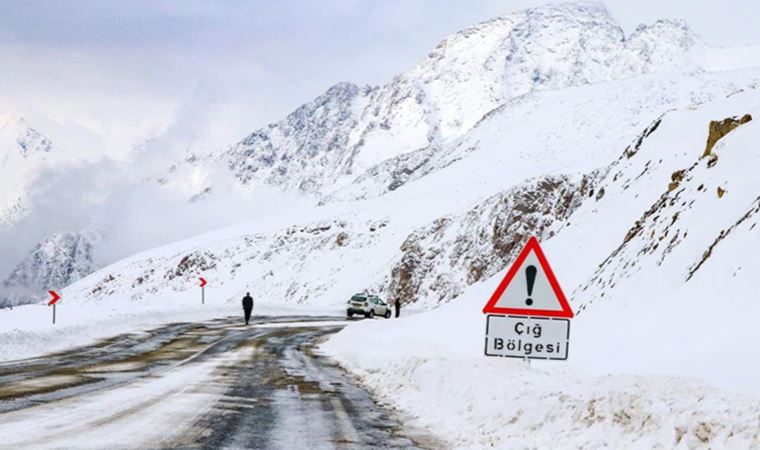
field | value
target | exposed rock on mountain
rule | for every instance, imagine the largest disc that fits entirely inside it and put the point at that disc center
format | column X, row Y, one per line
column 720, row 128
column 268, row 263
column 436, row 261
column 19, row 139
column 11, row 213
column 440, row 260
column 56, row 262
column 684, row 222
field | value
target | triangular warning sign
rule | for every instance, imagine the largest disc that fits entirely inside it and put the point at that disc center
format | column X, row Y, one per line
column 530, row 288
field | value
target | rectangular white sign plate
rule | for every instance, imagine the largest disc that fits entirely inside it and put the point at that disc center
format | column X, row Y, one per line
column 527, row 337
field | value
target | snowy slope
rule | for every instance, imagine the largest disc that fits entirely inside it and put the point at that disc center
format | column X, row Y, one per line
column 438, row 261
column 658, row 266
column 590, row 126
column 589, row 91
column 542, row 130
column 685, row 265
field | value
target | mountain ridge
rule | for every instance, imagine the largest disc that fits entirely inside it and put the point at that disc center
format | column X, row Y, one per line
column 467, row 75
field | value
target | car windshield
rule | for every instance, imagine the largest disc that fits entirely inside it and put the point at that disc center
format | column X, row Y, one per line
column 359, row 298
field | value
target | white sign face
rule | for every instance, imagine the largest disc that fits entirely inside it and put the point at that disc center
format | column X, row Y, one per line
column 527, row 337
column 530, row 288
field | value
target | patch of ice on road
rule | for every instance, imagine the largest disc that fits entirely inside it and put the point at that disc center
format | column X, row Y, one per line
column 301, row 424
column 145, row 414
column 312, row 324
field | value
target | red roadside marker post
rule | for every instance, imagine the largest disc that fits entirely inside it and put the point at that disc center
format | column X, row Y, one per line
column 203, row 290
column 528, row 316
column 53, row 301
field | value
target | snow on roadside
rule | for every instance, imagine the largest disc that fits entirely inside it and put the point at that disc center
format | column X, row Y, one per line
column 441, row 379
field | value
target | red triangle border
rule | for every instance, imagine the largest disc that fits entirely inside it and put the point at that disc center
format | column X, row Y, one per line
column 532, row 245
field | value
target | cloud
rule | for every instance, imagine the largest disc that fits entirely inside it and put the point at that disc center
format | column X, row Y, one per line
column 125, row 210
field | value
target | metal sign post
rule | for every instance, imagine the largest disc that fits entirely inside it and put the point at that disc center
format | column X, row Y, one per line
column 203, row 290
column 53, row 301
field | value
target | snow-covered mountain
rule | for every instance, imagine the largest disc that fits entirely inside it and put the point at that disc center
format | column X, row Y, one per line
column 448, row 167
column 57, row 261
column 353, row 132
column 31, row 146
column 479, row 105
column 36, row 154
column 23, row 150
column 17, row 132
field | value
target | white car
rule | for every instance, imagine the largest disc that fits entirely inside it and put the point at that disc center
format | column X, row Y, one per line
column 369, row 306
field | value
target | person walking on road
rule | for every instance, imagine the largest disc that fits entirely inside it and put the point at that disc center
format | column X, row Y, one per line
column 247, row 306
column 397, row 304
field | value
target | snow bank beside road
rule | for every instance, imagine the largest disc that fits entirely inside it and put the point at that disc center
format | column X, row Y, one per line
column 431, row 366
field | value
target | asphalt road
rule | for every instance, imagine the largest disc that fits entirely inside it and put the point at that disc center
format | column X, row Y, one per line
column 216, row 384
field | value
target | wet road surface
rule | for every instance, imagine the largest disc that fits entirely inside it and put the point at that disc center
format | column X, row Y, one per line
column 207, row 385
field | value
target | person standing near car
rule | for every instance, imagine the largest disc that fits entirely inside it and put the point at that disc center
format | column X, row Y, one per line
column 397, row 305
column 247, row 307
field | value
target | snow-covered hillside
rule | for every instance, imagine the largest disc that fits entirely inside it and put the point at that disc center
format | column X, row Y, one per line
column 556, row 90
column 659, row 261
column 477, row 183
column 632, row 158
column 424, row 221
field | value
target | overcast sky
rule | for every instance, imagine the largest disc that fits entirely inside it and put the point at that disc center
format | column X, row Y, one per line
column 225, row 67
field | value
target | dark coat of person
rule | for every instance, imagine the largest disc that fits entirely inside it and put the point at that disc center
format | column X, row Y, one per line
column 247, row 307
column 397, row 304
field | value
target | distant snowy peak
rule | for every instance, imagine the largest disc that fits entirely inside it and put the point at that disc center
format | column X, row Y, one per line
column 57, row 261
column 663, row 44
column 549, row 47
column 18, row 137
column 328, row 142
column 318, row 132
column 24, row 152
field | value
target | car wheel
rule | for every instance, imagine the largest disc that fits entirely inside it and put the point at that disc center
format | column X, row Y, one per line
column 350, row 314
column 388, row 314
column 371, row 313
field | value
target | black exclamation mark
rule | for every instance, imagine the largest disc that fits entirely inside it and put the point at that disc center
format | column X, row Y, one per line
column 530, row 274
